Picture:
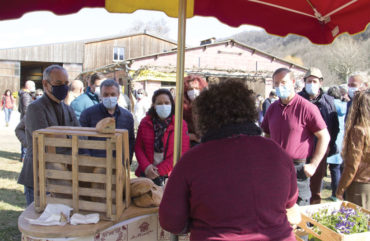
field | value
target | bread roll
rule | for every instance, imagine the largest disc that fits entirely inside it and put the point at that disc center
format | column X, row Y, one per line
column 140, row 186
column 144, row 201
column 106, row 125
column 157, row 194
column 150, row 199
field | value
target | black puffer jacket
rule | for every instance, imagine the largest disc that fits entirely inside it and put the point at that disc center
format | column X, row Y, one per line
column 325, row 103
column 25, row 98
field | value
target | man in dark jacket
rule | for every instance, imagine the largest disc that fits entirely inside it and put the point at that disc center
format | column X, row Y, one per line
column 272, row 97
column 49, row 110
column 25, row 98
column 90, row 97
column 313, row 93
column 109, row 108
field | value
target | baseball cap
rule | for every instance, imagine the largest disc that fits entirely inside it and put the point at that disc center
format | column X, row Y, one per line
column 313, row 72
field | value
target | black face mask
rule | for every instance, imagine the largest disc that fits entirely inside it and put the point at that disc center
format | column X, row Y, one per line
column 59, row 91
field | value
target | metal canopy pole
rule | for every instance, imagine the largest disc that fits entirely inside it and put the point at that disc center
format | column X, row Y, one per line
column 179, row 85
column 180, row 80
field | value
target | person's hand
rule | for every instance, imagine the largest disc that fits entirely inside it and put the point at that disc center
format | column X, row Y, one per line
column 193, row 137
column 294, row 215
column 309, row 169
column 151, row 172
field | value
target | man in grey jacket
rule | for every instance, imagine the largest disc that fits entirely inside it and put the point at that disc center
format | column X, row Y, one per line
column 49, row 110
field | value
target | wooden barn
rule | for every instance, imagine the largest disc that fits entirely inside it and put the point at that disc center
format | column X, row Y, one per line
column 18, row 65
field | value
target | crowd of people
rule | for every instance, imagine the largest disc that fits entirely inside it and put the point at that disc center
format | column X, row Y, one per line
column 246, row 160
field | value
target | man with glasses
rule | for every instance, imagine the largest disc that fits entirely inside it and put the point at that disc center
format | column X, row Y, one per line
column 49, row 110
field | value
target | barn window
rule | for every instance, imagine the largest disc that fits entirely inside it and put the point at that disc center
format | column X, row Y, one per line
column 118, row 53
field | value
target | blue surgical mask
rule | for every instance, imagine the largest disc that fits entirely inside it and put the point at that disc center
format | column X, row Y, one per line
column 312, row 89
column 352, row 91
column 283, row 91
column 59, row 91
column 163, row 111
column 110, row 102
column 140, row 96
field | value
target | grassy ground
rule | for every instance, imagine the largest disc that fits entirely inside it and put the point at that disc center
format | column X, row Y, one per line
column 12, row 201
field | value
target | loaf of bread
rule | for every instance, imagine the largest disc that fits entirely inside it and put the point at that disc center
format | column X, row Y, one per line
column 150, row 199
column 145, row 193
column 157, row 194
column 140, row 186
column 106, row 125
column 144, row 201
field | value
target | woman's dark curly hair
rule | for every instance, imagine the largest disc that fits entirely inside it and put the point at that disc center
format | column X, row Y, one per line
column 158, row 92
column 229, row 102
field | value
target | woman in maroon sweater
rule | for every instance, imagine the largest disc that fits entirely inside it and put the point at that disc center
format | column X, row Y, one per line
column 155, row 138
column 235, row 185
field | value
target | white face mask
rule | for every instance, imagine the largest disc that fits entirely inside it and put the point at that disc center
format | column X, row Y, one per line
column 163, row 111
column 283, row 91
column 110, row 102
column 139, row 96
column 192, row 94
column 352, row 91
column 312, row 89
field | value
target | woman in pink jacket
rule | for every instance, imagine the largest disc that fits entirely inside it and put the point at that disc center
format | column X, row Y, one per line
column 155, row 138
column 7, row 103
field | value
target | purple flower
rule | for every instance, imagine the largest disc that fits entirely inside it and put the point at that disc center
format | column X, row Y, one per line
column 344, row 220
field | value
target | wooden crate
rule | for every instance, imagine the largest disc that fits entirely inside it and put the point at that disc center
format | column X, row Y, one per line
column 327, row 234
column 69, row 178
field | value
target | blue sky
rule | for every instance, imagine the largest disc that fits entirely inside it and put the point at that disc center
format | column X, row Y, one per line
column 45, row 27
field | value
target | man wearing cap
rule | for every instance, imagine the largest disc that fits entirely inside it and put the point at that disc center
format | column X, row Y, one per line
column 294, row 123
column 313, row 92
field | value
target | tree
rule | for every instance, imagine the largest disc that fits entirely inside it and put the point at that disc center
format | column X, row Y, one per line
column 336, row 61
column 157, row 27
column 347, row 56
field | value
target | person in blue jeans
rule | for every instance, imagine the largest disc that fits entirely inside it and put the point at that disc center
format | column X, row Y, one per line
column 7, row 104
column 335, row 161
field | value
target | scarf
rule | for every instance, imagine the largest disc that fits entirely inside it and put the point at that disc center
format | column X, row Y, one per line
column 160, row 127
column 232, row 130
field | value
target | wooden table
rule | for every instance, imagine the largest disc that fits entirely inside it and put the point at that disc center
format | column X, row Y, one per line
column 134, row 224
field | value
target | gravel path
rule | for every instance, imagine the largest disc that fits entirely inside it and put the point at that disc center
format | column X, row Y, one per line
column 8, row 140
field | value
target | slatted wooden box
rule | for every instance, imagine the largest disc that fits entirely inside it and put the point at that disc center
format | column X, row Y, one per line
column 88, row 184
column 324, row 233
